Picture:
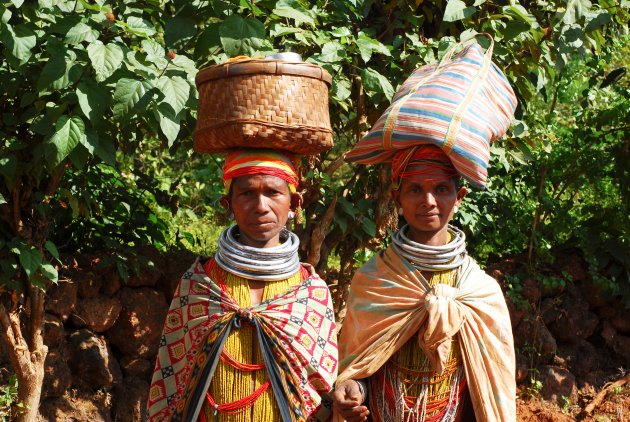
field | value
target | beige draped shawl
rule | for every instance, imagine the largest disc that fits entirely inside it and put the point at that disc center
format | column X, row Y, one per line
column 390, row 301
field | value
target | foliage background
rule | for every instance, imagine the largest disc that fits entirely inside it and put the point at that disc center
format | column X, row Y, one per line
column 99, row 104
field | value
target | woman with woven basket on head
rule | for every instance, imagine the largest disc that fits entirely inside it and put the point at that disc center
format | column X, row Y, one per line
column 427, row 334
column 250, row 334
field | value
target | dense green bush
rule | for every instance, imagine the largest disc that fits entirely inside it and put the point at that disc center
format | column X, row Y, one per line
column 99, row 104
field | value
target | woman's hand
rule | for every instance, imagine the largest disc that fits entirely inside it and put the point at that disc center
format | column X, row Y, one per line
column 348, row 400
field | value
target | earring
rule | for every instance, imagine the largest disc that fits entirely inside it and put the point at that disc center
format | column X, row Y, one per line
column 455, row 209
column 400, row 211
column 230, row 215
column 291, row 215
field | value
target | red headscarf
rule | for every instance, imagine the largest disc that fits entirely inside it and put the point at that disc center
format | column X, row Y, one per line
column 245, row 162
column 427, row 160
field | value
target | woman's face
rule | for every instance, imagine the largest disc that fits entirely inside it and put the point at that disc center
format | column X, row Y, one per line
column 261, row 205
column 428, row 206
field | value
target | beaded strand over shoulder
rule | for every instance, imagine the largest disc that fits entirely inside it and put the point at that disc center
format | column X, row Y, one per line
column 432, row 258
column 270, row 264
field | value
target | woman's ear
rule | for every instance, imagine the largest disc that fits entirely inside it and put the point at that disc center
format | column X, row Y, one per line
column 225, row 202
column 395, row 195
column 461, row 193
column 296, row 200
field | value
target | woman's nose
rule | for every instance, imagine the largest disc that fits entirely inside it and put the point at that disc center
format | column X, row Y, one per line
column 427, row 199
column 261, row 203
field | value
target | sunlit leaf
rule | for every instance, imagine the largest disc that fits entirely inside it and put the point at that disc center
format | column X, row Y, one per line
column 30, row 259
column 18, row 41
column 129, row 93
column 242, row 35
column 81, row 32
column 93, row 100
column 456, row 10
column 106, row 59
column 292, row 10
column 374, row 82
column 169, row 123
column 68, row 133
column 176, row 91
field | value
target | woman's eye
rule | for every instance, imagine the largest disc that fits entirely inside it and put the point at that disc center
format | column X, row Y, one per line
column 442, row 189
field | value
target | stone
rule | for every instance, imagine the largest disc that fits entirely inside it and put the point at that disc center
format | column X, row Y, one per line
column 90, row 286
column 130, row 400
column 558, row 384
column 139, row 327
column 57, row 375
column 576, row 321
column 92, row 361
column 61, row 299
column 54, row 332
column 98, row 314
column 137, row 367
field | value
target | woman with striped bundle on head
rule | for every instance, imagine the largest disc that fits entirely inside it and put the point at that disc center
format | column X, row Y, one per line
column 427, row 334
column 250, row 334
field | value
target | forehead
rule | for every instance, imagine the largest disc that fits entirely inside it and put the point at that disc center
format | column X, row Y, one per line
column 259, row 181
column 427, row 180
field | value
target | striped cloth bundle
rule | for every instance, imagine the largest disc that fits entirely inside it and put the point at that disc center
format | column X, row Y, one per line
column 461, row 105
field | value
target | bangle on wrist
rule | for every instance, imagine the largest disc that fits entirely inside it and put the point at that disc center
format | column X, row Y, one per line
column 361, row 390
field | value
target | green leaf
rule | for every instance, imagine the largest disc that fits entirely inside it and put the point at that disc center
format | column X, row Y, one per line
column 5, row 15
column 8, row 167
column 176, row 92
column 106, row 59
column 68, row 134
column 368, row 45
column 456, row 10
column 139, row 26
column 179, row 31
column 368, row 226
column 576, row 10
column 153, row 50
column 50, row 272
column 18, row 41
column 520, row 13
column 52, row 249
column 81, row 32
column 347, row 206
column 128, row 94
column 332, row 52
column 208, row 42
column 514, row 28
column 342, row 88
column 100, row 147
column 169, row 123
column 30, row 259
column 61, row 71
column 291, row 9
column 241, row 35
column 93, row 101
column 341, row 32
column 2, row 200
column 596, row 20
column 374, row 82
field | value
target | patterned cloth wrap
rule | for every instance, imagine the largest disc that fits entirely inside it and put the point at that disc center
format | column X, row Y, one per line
column 246, row 162
column 296, row 332
column 389, row 302
column 461, row 105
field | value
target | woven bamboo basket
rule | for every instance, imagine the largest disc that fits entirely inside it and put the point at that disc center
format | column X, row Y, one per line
column 258, row 103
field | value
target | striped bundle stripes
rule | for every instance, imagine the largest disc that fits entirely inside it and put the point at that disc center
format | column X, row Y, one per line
column 461, row 105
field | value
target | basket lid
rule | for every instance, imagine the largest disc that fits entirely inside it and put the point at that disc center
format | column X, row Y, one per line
column 262, row 66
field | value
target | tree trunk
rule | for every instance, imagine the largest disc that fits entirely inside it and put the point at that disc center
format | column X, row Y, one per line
column 27, row 358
